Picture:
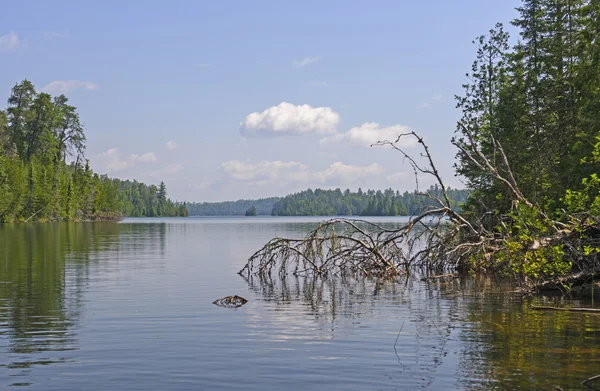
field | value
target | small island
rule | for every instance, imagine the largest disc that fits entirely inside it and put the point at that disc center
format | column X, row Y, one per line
column 251, row 211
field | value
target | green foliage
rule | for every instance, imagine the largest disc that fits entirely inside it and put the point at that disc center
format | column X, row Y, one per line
column 38, row 134
column 540, row 100
column 138, row 200
column 251, row 211
column 529, row 250
column 370, row 203
column 232, row 208
column 533, row 112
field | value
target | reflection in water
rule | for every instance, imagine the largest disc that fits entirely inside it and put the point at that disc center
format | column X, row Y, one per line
column 339, row 305
column 44, row 271
column 129, row 306
column 500, row 342
column 508, row 345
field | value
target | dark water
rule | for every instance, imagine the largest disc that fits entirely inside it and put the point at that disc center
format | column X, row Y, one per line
column 127, row 306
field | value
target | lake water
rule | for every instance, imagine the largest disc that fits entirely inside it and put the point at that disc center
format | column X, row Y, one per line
column 128, row 306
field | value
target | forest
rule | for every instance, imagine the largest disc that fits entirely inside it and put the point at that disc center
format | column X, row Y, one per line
column 321, row 202
column 528, row 146
column 231, row 208
column 370, row 203
column 44, row 175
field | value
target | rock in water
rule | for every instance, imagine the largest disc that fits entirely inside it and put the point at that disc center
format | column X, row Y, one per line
column 230, row 301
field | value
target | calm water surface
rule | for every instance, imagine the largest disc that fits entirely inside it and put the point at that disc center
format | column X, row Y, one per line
column 128, row 306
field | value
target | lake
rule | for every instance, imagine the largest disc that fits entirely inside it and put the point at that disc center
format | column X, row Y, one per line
column 128, row 306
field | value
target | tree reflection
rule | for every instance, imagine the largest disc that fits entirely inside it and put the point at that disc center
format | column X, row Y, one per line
column 415, row 339
column 44, row 273
column 501, row 343
column 508, row 345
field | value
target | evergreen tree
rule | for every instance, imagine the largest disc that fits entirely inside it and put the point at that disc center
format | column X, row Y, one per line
column 37, row 134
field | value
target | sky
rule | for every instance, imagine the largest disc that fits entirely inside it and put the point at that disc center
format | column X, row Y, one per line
column 227, row 100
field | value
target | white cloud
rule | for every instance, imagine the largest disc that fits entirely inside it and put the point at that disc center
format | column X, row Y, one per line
column 306, row 61
column 171, row 144
column 319, row 83
column 64, row 86
column 437, row 97
column 9, row 41
column 343, row 174
column 173, row 168
column 112, row 162
column 269, row 172
column 147, row 157
column 397, row 177
column 370, row 133
column 197, row 185
column 164, row 172
column 287, row 118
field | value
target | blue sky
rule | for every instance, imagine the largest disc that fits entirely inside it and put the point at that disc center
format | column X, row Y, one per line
column 167, row 90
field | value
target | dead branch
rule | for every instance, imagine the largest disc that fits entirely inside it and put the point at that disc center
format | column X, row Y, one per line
column 573, row 309
column 439, row 239
column 478, row 158
column 590, row 380
column 441, row 277
column 573, row 279
column 355, row 246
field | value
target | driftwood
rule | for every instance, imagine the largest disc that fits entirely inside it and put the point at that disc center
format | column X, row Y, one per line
column 573, row 279
column 439, row 239
column 440, row 276
column 590, row 380
column 572, row 309
column 359, row 247
column 230, row 301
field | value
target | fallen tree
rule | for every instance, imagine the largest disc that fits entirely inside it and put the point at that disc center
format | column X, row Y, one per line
column 524, row 243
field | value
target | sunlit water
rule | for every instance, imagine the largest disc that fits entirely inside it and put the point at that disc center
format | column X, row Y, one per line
column 128, row 306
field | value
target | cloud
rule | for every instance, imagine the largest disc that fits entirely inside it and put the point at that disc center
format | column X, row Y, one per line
column 343, row 174
column 147, row 157
column 280, row 172
column 9, row 41
column 112, row 163
column 319, row 83
column 368, row 134
column 287, row 118
column 171, row 144
column 306, row 61
column 166, row 171
column 64, row 86
column 197, row 185
column 397, row 177
column 271, row 170
column 437, row 97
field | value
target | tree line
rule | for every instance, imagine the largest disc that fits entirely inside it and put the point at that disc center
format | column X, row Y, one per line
column 370, row 203
column 321, row 202
column 44, row 175
column 231, row 208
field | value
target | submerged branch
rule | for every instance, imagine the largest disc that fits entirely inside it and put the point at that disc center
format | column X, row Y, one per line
column 524, row 243
column 548, row 308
